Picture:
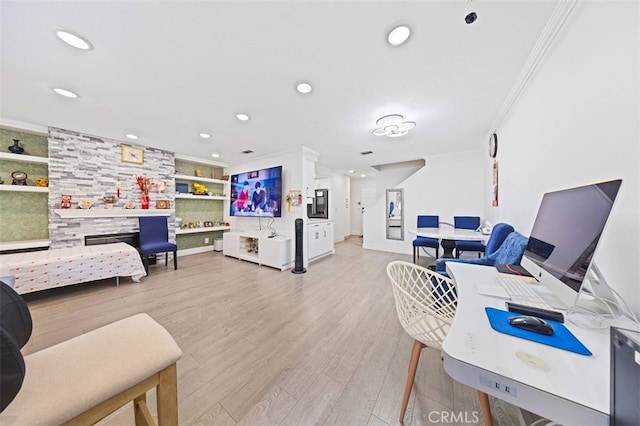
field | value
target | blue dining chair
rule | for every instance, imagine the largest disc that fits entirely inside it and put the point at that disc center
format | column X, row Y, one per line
column 468, row 222
column 426, row 222
column 154, row 238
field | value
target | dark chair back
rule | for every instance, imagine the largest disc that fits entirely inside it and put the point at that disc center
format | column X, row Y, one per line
column 153, row 229
column 432, row 221
column 466, row 222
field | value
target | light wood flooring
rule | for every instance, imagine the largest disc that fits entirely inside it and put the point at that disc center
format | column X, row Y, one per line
column 263, row 347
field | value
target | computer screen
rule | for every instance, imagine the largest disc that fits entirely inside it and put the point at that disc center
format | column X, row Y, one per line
column 567, row 229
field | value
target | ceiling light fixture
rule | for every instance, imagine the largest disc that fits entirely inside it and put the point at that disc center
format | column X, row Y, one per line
column 393, row 126
column 399, row 35
column 131, row 136
column 205, row 135
column 64, row 92
column 304, row 87
column 74, row 40
column 352, row 171
column 363, row 175
column 242, row 117
column 214, row 155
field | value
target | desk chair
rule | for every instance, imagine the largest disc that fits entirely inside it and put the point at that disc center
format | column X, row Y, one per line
column 426, row 304
column 154, row 238
column 468, row 222
column 426, row 222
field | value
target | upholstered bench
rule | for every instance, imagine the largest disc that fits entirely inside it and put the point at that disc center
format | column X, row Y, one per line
column 39, row 270
column 84, row 379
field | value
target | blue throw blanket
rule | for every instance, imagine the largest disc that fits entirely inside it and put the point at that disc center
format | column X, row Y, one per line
column 510, row 251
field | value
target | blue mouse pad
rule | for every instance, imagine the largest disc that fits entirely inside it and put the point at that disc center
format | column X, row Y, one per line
column 562, row 338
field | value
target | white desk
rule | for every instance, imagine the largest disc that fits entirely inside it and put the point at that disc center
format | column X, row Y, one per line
column 568, row 388
column 449, row 233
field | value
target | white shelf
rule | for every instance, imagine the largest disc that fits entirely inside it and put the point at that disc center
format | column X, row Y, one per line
column 201, row 179
column 199, row 230
column 26, row 244
column 115, row 212
column 23, row 188
column 24, row 158
column 202, row 197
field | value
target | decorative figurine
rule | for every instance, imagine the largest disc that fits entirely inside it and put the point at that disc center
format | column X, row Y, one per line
column 19, row 178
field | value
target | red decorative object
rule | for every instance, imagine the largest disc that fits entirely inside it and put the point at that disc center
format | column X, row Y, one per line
column 145, row 201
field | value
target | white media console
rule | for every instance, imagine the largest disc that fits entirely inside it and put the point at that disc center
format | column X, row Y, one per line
column 257, row 247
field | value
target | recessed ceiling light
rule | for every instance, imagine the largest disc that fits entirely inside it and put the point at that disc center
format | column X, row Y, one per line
column 352, row 171
column 363, row 175
column 74, row 40
column 304, row 87
column 66, row 93
column 214, row 155
column 205, row 135
column 399, row 35
column 242, row 117
column 131, row 136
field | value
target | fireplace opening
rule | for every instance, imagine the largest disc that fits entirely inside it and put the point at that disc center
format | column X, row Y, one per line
column 131, row 238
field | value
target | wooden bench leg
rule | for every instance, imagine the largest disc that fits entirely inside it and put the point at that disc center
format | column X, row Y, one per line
column 167, row 397
column 141, row 412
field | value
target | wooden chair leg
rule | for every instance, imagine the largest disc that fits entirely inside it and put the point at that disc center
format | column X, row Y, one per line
column 167, row 397
column 141, row 413
column 175, row 260
column 166, row 258
column 411, row 375
column 485, row 408
column 414, row 255
column 146, row 264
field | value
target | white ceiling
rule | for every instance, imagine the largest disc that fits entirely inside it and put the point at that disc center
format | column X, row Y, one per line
column 168, row 70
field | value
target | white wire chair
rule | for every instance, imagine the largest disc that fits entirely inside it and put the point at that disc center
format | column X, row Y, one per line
column 426, row 304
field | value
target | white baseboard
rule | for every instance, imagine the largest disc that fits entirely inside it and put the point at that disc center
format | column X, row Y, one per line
column 195, row 250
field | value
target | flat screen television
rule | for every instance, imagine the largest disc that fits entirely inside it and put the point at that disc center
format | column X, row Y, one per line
column 257, row 193
column 567, row 230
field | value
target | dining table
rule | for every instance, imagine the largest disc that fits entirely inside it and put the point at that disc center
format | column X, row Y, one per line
column 447, row 235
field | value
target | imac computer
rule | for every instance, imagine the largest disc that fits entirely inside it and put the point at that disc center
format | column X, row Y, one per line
column 564, row 239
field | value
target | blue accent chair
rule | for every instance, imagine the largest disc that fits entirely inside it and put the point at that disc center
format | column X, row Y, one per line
column 510, row 251
column 432, row 221
column 154, row 238
column 498, row 234
column 467, row 222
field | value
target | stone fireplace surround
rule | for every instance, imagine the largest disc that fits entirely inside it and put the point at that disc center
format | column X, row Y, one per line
column 87, row 167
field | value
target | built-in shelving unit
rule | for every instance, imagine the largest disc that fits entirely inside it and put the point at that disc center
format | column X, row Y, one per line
column 97, row 212
column 26, row 244
column 203, row 229
column 201, row 179
column 202, row 197
column 25, row 158
column 23, row 188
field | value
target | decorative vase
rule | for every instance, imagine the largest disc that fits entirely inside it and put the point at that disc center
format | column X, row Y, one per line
column 145, row 201
column 15, row 148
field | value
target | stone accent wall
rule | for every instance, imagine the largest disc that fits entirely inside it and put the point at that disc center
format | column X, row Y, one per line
column 87, row 167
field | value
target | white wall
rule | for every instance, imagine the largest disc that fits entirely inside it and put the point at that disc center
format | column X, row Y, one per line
column 577, row 122
column 340, row 204
column 449, row 185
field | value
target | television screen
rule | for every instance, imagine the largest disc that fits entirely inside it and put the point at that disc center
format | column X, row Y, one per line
column 257, row 193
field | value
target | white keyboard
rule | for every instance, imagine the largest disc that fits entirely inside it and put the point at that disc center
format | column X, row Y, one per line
column 520, row 291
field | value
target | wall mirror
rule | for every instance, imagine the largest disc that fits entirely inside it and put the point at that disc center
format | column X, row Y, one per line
column 395, row 218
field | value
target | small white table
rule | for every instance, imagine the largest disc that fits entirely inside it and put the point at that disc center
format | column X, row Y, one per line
column 448, row 233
